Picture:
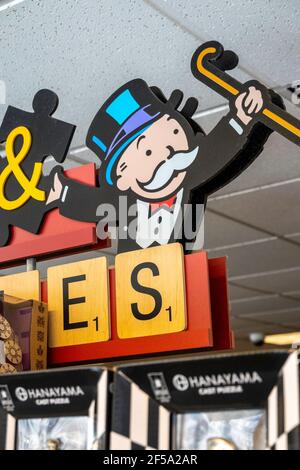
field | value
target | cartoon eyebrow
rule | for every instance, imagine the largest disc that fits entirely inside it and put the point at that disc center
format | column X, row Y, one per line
column 139, row 139
column 123, row 166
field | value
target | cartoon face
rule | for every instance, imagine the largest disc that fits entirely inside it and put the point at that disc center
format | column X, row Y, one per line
column 154, row 165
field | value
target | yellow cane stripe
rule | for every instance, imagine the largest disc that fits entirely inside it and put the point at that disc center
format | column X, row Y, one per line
column 273, row 116
column 282, row 122
column 207, row 73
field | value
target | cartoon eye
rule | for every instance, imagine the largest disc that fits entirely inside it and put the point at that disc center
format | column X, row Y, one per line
column 148, row 152
column 176, row 131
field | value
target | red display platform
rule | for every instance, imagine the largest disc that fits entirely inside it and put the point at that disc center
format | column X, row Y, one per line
column 207, row 317
column 58, row 234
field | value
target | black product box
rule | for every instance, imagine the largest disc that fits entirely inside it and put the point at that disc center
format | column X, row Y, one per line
column 236, row 401
column 138, row 422
column 55, row 410
column 226, row 401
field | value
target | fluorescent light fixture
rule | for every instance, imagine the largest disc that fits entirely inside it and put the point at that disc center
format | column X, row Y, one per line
column 284, row 339
column 9, row 4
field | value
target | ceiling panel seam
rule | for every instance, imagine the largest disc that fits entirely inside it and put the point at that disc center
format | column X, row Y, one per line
column 285, row 294
column 275, row 295
column 255, row 188
column 262, row 322
column 241, row 244
column 264, row 273
column 255, row 227
column 258, row 297
column 250, row 242
column 4, row 5
column 272, row 312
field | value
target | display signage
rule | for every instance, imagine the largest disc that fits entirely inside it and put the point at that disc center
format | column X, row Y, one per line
column 22, row 285
column 150, row 299
column 207, row 382
column 150, row 292
column 78, row 298
column 151, row 309
column 157, row 165
column 157, row 169
column 57, row 235
column 139, row 307
column 29, row 138
column 45, row 410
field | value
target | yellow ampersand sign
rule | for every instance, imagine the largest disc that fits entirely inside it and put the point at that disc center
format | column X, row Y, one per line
column 13, row 167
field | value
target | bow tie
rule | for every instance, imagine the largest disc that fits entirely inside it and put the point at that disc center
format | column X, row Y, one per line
column 167, row 202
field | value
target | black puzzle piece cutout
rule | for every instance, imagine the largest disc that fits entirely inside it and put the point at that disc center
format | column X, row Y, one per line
column 47, row 136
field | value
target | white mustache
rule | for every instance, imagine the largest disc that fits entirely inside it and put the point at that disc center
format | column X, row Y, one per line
column 179, row 161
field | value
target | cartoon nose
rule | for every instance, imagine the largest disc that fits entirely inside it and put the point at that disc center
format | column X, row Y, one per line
column 171, row 150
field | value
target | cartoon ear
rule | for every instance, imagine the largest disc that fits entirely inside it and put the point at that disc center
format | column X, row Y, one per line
column 122, row 183
column 190, row 107
column 175, row 98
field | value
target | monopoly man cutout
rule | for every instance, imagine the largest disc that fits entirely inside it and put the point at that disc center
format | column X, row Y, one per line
column 157, row 165
column 158, row 157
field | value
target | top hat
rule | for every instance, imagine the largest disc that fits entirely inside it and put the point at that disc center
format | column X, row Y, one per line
column 121, row 119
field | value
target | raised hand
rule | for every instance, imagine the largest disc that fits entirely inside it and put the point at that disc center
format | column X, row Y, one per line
column 248, row 103
column 56, row 190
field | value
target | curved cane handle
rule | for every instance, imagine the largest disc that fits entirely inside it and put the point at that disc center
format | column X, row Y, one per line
column 208, row 65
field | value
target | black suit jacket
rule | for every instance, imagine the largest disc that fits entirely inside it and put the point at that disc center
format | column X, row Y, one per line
column 223, row 155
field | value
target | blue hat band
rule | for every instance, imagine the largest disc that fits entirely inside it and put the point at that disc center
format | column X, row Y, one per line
column 115, row 156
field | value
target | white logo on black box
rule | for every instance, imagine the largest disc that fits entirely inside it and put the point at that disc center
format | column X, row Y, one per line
column 180, row 382
column 159, row 387
column 5, row 398
column 21, row 394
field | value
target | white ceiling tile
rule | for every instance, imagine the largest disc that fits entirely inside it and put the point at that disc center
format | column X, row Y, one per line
column 241, row 323
column 237, row 292
column 295, row 294
column 274, row 209
column 243, row 327
column 281, row 281
column 263, row 303
column 265, row 35
column 84, row 50
column 220, row 231
column 291, row 318
column 278, row 162
column 260, row 257
column 266, row 329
